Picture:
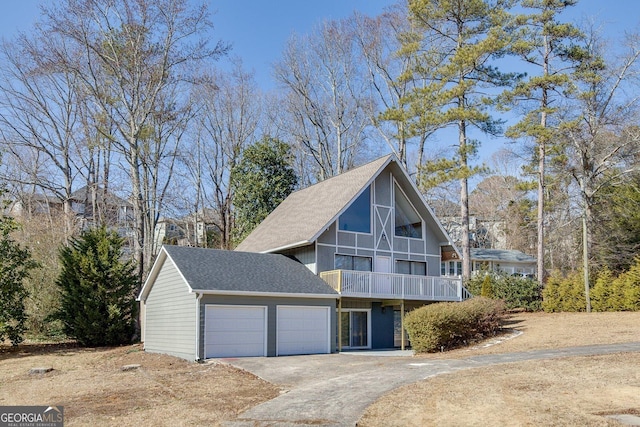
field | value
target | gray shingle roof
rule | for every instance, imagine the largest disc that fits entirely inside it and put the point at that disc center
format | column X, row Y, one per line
column 504, row 255
column 219, row 270
column 306, row 213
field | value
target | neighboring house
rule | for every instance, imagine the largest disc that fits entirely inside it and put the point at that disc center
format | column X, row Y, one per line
column 191, row 230
column 88, row 207
column 95, row 206
column 204, row 303
column 507, row 261
column 30, row 205
column 368, row 233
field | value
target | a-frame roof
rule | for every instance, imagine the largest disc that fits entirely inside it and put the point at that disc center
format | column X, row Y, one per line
column 305, row 214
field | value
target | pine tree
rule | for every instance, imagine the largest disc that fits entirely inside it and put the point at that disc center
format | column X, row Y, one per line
column 542, row 42
column 98, row 304
column 453, row 47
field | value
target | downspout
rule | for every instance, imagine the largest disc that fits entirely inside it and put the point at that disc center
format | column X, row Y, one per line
column 198, row 298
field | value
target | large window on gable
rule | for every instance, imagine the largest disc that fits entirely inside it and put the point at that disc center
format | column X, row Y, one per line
column 407, row 221
column 357, row 217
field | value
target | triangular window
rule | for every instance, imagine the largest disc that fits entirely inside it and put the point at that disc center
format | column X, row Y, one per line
column 407, row 221
column 357, row 217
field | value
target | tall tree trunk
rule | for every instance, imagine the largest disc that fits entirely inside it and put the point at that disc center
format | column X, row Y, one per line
column 464, row 202
column 541, row 196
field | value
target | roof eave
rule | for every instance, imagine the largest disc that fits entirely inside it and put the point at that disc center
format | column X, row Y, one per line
column 264, row 294
column 287, row 247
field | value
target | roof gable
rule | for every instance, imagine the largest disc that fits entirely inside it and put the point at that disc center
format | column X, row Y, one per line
column 305, row 214
column 302, row 216
column 233, row 272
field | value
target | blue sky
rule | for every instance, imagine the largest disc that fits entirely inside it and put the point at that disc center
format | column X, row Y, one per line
column 259, row 29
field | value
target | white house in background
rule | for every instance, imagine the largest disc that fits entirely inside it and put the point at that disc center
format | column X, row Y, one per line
column 503, row 260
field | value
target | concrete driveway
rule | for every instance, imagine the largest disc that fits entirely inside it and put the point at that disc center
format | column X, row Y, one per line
column 336, row 389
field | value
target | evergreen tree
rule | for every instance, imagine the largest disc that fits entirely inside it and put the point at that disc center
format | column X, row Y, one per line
column 543, row 43
column 15, row 265
column 98, row 304
column 616, row 235
column 453, row 47
column 262, row 180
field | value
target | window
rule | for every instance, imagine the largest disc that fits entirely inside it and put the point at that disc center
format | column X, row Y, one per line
column 350, row 262
column 451, row 268
column 415, row 268
column 408, row 222
column 357, row 217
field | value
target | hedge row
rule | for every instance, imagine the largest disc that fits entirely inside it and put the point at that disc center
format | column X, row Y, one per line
column 446, row 325
column 516, row 292
column 609, row 293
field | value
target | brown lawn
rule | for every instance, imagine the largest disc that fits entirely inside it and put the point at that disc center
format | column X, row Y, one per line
column 164, row 391
column 93, row 389
column 566, row 392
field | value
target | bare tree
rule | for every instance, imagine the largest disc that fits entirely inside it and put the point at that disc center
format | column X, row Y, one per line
column 228, row 120
column 39, row 119
column 135, row 60
column 379, row 40
column 326, row 110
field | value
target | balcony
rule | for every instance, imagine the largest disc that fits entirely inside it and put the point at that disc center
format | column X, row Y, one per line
column 365, row 284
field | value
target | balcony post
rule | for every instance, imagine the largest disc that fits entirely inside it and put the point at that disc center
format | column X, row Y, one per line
column 340, row 324
column 402, row 343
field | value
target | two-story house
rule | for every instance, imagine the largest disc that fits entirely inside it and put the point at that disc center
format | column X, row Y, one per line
column 368, row 233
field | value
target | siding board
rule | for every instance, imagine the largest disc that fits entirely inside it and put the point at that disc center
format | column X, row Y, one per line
column 171, row 315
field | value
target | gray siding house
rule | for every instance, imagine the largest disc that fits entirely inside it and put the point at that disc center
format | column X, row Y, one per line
column 370, row 235
column 335, row 266
column 205, row 303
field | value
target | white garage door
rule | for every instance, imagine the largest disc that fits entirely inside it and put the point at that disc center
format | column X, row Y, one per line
column 235, row 331
column 303, row 330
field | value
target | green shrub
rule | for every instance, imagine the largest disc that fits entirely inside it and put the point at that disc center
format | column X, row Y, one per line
column 564, row 293
column 631, row 285
column 97, row 288
column 487, row 289
column 448, row 325
column 516, row 292
column 608, row 292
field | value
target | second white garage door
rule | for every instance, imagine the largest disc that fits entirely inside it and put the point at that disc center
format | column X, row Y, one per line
column 235, row 331
column 303, row 330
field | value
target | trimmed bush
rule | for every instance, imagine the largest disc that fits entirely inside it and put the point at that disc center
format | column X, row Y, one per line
column 564, row 293
column 97, row 287
column 487, row 288
column 449, row 325
column 516, row 292
column 631, row 285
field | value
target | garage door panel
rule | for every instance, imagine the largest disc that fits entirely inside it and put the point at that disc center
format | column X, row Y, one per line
column 235, row 331
column 303, row 330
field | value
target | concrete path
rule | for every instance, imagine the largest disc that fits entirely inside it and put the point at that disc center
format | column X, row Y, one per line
column 336, row 389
